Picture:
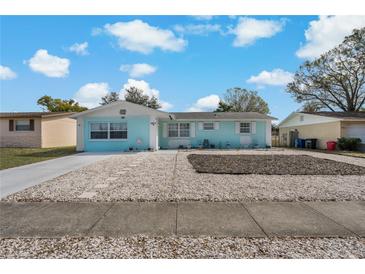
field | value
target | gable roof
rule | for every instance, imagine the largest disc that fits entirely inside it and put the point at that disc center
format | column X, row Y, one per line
column 340, row 115
column 158, row 112
column 220, row 115
column 33, row 114
column 327, row 116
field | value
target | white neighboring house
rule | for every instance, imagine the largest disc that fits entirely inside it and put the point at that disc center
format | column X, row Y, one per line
column 323, row 126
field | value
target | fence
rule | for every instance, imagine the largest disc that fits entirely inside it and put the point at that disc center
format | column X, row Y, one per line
column 275, row 141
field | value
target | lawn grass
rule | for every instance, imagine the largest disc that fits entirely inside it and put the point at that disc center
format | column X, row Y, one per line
column 12, row 157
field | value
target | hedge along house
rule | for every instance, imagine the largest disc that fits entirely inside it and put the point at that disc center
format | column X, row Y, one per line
column 123, row 126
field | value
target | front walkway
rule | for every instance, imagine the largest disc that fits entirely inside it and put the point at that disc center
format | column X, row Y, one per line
column 255, row 219
column 18, row 178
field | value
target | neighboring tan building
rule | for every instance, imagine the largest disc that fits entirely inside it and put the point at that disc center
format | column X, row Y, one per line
column 37, row 129
column 323, row 126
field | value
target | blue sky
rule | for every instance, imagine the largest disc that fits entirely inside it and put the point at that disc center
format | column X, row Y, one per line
column 188, row 62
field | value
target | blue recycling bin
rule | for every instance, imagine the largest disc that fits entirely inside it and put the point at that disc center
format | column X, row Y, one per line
column 299, row 143
column 302, row 143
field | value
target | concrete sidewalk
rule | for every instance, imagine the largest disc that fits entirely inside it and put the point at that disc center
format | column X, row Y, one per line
column 18, row 178
column 256, row 219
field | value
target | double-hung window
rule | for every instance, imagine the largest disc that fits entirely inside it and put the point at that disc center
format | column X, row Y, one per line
column 22, row 125
column 184, row 130
column 99, row 131
column 178, row 130
column 173, row 130
column 208, row 126
column 118, row 131
column 245, row 127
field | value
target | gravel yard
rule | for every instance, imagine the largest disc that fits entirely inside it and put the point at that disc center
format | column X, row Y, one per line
column 183, row 247
column 168, row 176
column 271, row 165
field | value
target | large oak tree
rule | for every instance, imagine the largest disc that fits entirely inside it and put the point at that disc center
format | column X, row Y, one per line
column 135, row 95
column 335, row 80
column 59, row 105
column 109, row 98
column 242, row 100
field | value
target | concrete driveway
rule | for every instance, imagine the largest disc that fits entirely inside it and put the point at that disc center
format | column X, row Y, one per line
column 18, row 178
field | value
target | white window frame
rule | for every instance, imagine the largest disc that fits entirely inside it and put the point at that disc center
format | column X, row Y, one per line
column 178, row 130
column 242, row 126
column 26, row 120
column 124, row 130
column 188, row 129
column 210, row 128
column 108, row 131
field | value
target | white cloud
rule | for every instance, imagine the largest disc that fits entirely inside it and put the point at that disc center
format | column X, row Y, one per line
column 326, row 33
column 207, row 103
column 138, row 70
column 90, row 94
column 96, row 31
column 248, row 30
column 142, row 85
column 79, row 49
column 198, row 29
column 6, row 73
column 203, row 17
column 49, row 65
column 276, row 77
column 165, row 106
column 147, row 90
column 139, row 36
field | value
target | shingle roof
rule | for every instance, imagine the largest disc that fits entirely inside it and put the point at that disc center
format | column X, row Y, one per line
column 220, row 115
column 340, row 115
column 32, row 114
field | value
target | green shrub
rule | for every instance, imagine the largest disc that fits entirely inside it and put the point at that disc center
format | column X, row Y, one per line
column 348, row 143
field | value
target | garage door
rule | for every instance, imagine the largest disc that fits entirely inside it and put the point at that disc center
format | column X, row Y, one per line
column 355, row 131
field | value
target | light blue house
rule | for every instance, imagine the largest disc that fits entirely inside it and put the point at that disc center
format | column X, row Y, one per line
column 124, row 126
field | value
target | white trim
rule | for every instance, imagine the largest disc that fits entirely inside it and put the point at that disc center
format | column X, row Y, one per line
column 164, row 130
column 250, row 128
column 237, row 127
column 108, row 131
column 309, row 119
column 253, row 127
column 80, row 134
column 153, row 133
column 179, row 137
column 213, row 124
column 108, row 140
column 178, row 130
column 216, row 125
column 268, row 134
column 192, row 130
